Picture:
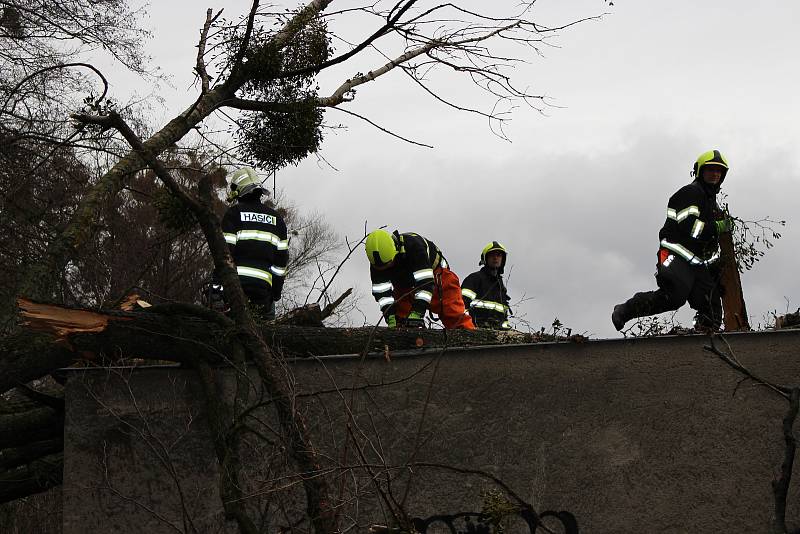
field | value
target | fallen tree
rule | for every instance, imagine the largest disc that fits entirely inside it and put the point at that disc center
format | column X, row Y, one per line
column 54, row 337
column 262, row 68
column 186, row 333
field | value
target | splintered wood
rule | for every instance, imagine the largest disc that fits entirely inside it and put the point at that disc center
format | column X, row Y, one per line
column 734, row 310
column 60, row 322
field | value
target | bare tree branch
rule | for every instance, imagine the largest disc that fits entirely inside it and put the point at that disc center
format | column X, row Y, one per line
column 200, row 68
column 381, row 128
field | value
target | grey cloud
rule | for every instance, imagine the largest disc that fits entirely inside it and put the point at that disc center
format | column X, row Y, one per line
column 580, row 195
column 581, row 228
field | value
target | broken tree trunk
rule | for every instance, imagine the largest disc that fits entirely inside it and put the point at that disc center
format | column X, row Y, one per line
column 151, row 335
column 34, row 477
column 31, row 447
column 26, row 356
column 790, row 320
column 30, row 431
column 734, row 312
column 20, row 429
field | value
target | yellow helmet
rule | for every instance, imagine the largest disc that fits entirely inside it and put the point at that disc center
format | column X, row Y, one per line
column 381, row 247
column 712, row 157
column 243, row 181
column 491, row 247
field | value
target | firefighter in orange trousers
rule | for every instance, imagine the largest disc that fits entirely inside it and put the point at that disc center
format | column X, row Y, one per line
column 409, row 276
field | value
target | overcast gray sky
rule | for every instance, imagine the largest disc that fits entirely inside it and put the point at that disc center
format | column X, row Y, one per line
column 579, row 194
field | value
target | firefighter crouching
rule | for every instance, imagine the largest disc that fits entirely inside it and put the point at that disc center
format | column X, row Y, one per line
column 484, row 293
column 409, row 276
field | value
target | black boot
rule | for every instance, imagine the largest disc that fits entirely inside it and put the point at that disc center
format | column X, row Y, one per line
column 619, row 316
column 641, row 305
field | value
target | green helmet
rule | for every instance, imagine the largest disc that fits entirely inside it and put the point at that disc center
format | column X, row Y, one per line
column 712, row 157
column 243, row 181
column 381, row 247
column 493, row 246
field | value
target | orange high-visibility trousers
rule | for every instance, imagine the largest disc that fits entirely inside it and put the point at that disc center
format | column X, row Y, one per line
column 447, row 302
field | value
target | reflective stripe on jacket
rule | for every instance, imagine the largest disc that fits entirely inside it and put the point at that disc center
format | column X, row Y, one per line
column 486, row 298
column 257, row 238
column 413, row 270
column 689, row 230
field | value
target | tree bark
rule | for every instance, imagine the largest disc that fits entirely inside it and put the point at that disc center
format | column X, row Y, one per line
column 734, row 312
column 15, row 457
column 23, row 428
column 188, row 338
column 26, row 356
column 34, row 477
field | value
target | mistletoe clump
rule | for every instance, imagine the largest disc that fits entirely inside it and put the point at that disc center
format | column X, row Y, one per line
column 284, row 78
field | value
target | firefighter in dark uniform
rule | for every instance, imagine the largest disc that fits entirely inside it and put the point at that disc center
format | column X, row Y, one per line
column 484, row 292
column 409, row 276
column 688, row 257
column 256, row 236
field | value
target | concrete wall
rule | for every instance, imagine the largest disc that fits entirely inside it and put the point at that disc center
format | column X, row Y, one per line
column 630, row 436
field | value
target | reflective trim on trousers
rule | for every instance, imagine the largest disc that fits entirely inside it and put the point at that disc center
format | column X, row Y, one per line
column 488, row 305
column 385, row 302
column 254, row 273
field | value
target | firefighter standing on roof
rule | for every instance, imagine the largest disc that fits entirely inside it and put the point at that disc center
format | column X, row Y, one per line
column 256, row 236
column 484, row 292
column 409, row 276
column 688, row 257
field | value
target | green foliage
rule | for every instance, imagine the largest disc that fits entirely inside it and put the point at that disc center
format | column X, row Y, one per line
column 752, row 239
column 172, row 212
column 264, row 64
column 558, row 331
column 11, row 22
column 275, row 139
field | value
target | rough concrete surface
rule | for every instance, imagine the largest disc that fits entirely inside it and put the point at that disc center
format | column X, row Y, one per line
column 631, row 436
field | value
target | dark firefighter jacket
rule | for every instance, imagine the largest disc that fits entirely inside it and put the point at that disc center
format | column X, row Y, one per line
column 689, row 230
column 412, row 272
column 256, row 235
column 486, row 298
